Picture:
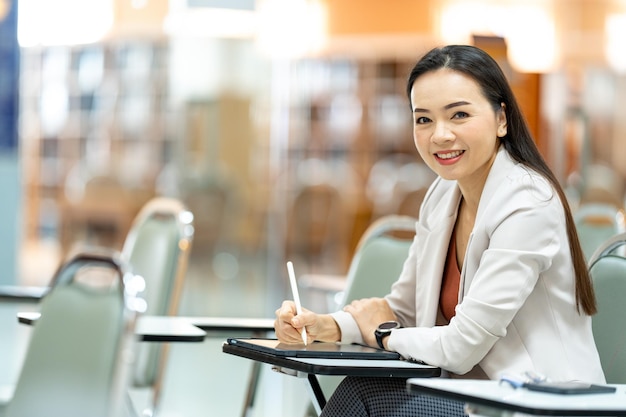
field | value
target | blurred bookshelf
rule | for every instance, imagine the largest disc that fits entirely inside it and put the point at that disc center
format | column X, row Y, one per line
column 91, row 115
column 349, row 115
column 105, row 114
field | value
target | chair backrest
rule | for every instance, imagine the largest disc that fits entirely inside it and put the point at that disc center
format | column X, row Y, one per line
column 376, row 265
column 78, row 359
column 379, row 257
column 608, row 272
column 597, row 222
column 157, row 248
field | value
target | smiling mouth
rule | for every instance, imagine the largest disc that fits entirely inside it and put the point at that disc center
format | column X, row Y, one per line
column 449, row 155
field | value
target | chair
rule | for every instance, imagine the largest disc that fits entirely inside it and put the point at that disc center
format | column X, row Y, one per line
column 597, row 222
column 378, row 258
column 375, row 266
column 79, row 355
column 157, row 248
column 608, row 272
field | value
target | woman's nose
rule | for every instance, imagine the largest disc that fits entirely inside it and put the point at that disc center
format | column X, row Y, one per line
column 442, row 133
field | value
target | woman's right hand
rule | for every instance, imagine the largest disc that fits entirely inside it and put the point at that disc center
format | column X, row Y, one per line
column 288, row 325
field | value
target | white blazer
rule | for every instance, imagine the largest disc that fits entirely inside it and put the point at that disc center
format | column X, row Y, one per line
column 516, row 308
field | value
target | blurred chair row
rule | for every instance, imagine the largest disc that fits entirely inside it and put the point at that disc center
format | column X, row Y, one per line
column 157, row 249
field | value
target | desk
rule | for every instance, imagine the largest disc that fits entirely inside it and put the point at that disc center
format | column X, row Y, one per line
column 168, row 329
column 309, row 367
column 22, row 293
column 258, row 326
column 490, row 398
column 148, row 328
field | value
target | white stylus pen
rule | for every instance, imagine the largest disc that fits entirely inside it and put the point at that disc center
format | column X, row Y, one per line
column 296, row 295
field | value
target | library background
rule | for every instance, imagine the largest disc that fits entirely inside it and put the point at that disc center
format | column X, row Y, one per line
column 284, row 127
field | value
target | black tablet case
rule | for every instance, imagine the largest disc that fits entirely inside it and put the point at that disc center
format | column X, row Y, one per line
column 326, row 350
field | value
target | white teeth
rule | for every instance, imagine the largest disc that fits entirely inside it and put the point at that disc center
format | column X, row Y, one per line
column 449, row 154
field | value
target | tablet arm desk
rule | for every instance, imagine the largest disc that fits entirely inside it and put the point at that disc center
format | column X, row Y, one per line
column 310, row 367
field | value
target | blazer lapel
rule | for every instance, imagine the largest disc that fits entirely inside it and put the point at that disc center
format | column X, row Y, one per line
column 436, row 240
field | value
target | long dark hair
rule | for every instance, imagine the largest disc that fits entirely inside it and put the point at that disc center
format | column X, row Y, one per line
column 518, row 141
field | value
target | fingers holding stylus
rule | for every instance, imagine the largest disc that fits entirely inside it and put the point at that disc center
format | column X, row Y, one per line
column 288, row 325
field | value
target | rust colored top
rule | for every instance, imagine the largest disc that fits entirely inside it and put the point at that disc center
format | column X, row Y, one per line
column 449, row 295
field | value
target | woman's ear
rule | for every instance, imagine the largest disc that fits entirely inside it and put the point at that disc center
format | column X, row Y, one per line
column 501, row 119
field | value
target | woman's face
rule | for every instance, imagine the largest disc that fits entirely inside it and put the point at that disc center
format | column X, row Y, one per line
column 455, row 128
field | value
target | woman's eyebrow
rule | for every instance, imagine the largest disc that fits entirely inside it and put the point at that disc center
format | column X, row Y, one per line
column 456, row 104
column 446, row 107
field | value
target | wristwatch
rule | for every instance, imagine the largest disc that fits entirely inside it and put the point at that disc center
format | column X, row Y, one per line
column 384, row 330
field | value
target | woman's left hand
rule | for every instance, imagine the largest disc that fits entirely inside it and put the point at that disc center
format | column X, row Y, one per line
column 369, row 313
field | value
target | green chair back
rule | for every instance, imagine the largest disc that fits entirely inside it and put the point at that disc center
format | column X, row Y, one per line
column 375, row 266
column 78, row 362
column 157, row 248
column 608, row 272
column 379, row 257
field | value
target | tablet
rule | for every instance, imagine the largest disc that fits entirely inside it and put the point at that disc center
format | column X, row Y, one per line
column 326, row 350
column 569, row 388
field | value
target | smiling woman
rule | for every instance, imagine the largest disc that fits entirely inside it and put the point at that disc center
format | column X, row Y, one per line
column 495, row 254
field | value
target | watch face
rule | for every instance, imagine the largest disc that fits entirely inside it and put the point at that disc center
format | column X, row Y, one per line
column 389, row 325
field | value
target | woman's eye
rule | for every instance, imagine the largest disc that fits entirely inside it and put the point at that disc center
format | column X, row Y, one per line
column 421, row 120
column 460, row 115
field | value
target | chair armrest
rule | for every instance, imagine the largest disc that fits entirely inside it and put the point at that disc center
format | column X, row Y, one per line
column 22, row 294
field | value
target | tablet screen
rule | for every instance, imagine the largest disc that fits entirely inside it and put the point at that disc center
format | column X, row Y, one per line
column 313, row 350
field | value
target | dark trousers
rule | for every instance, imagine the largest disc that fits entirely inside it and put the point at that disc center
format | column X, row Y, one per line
column 386, row 397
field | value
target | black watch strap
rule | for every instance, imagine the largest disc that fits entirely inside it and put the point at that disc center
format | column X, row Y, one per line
column 380, row 338
column 384, row 330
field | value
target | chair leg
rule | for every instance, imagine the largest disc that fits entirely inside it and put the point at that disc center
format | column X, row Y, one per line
column 252, row 385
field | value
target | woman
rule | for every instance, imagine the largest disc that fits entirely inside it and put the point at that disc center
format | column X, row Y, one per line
column 495, row 281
